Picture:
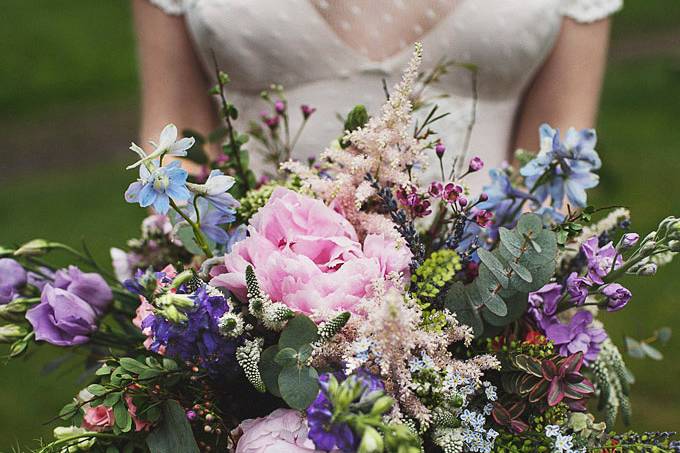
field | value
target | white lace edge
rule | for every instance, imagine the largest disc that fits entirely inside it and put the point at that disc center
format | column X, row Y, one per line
column 172, row 7
column 587, row 11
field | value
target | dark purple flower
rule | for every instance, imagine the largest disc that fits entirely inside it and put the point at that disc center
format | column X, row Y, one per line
column 88, row 286
column 12, row 274
column 483, row 197
column 629, row 239
column 601, row 260
column 617, row 296
column 476, row 164
column 440, row 149
column 578, row 288
column 62, row 318
column 577, row 336
column 452, row 192
column 307, row 111
column 272, row 122
column 483, row 218
column 546, row 299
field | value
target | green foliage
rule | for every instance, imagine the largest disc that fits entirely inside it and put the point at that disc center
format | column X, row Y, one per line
column 356, row 119
column 174, row 433
column 523, row 261
column 254, row 199
column 284, row 367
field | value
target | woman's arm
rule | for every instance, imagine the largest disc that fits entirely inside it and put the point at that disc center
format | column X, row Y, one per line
column 566, row 90
column 174, row 89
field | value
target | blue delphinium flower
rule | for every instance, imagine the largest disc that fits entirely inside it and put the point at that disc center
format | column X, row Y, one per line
column 567, row 165
column 362, row 388
column 211, row 220
column 157, row 185
column 167, row 145
column 197, row 338
column 215, row 190
column 235, row 235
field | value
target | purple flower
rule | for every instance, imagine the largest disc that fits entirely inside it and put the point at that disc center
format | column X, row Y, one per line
column 577, row 336
column 629, row 239
column 12, row 273
column 601, row 260
column 88, row 286
column 328, row 434
column 483, row 218
column 436, row 189
column 578, row 288
column 307, row 111
column 280, row 107
column 12, row 278
column 476, row 164
column 62, row 318
column 617, row 296
column 546, row 298
column 439, row 149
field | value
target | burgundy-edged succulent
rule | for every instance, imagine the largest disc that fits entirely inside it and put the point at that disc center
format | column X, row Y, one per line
column 549, row 381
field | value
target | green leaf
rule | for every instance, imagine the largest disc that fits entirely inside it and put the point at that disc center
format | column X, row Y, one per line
column 298, row 331
column 305, row 352
column 67, row 411
column 122, row 416
column 521, row 271
column 133, row 366
column 103, row 370
column 496, row 267
column 269, row 370
column 511, row 240
column 496, row 305
column 169, row 364
column 529, row 224
column 173, row 434
column 299, row 386
column 111, row 399
column 186, row 236
column 96, row 389
column 286, row 357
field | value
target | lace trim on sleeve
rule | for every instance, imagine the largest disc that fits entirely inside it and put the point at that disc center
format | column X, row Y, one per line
column 586, row 11
column 172, row 7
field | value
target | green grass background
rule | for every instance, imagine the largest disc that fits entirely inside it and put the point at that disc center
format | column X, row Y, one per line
column 63, row 55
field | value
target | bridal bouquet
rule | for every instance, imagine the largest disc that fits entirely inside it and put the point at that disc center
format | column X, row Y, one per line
column 344, row 305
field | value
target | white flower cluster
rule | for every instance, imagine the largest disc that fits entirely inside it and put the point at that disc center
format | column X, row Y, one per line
column 561, row 443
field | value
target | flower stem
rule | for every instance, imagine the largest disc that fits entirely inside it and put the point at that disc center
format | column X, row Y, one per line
column 198, row 235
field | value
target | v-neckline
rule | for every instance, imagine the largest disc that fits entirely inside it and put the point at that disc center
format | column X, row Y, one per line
column 385, row 64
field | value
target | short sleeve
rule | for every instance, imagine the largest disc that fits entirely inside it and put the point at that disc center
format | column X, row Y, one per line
column 586, row 11
column 172, row 7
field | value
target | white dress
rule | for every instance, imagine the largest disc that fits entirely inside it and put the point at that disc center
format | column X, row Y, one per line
column 333, row 54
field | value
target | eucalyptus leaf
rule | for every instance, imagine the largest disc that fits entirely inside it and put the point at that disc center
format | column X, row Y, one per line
column 298, row 331
column 286, row 357
column 521, row 271
column 496, row 305
column 173, row 434
column 269, row 370
column 299, row 386
column 496, row 267
column 512, row 240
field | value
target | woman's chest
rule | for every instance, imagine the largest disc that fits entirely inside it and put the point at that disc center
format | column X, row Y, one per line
column 297, row 42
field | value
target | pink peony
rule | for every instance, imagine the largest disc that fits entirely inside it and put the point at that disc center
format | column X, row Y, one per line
column 98, row 418
column 308, row 256
column 282, row 431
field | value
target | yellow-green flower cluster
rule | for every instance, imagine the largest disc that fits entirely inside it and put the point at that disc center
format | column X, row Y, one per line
column 435, row 272
column 256, row 198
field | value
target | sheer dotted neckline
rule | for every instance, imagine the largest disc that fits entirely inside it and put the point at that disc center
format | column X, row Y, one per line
column 400, row 23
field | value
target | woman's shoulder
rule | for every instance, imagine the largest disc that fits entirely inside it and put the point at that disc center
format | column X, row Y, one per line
column 173, row 7
column 586, row 11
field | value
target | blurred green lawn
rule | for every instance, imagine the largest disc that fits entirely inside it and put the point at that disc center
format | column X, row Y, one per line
column 65, row 53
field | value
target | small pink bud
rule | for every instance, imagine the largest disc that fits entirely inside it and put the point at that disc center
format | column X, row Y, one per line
column 307, row 111
column 476, row 164
column 483, row 197
column 280, row 107
column 462, row 201
column 440, row 149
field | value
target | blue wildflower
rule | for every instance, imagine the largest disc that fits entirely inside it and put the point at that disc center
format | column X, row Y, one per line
column 215, row 190
column 157, row 185
column 235, row 235
column 568, row 166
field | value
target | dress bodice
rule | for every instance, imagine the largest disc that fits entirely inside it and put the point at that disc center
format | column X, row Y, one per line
column 333, row 54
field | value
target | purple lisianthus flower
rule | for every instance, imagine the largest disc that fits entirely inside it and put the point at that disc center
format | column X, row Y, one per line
column 629, row 240
column 40, row 280
column 577, row 287
column 62, row 318
column 12, row 278
column 617, row 296
column 545, row 300
column 601, row 260
column 577, row 336
column 571, row 163
column 88, row 286
column 12, row 273
column 157, row 185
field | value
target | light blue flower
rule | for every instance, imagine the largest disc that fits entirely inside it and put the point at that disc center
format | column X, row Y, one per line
column 235, row 235
column 215, row 190
column 157, row 185
column 211, row 221
column 569, row 163
column 167, row 145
